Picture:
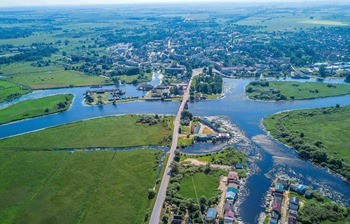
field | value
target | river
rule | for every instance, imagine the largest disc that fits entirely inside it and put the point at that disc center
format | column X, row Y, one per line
column 270, row 156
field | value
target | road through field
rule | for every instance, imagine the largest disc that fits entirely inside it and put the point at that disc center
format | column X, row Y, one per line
column 155, row 217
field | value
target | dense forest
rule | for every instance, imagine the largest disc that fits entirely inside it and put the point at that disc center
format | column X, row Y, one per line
column 208, row 84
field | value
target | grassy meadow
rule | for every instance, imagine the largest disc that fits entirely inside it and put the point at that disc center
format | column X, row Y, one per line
column 323, row 133
column 293, row 21
column 295, row 90
column 47, row 77
column 79, row 187
column 92, row 186
column 35, row 108
column 128, row 79
column 115, row 131
column 10, row 90
column 199, row 184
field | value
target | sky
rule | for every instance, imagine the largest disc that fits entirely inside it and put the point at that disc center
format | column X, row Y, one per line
column 92, row 2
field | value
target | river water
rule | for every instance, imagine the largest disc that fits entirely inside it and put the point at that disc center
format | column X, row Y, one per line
column 270, row 157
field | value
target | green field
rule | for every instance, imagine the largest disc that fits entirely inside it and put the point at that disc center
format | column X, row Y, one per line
column 79, row 187
column 115, row 131
column 325, row 22
column 183, row 142
column 278, row 90
column 10, row 90
column 272, row 21
column 35, row 108
column 48, row 77
column 128, row 79
column 92, row 186
column 200, row 183
column 318, row 134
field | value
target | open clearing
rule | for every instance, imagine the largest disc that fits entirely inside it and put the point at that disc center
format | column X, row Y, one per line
column 35, row 108
column 115, row 131
column 203, row 184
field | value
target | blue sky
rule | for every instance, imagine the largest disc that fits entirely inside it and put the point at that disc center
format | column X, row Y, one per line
column 84, row 2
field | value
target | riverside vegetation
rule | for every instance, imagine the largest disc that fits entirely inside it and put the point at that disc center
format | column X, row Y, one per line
column 82, row 186
column 35, row 108
column 321, row 135
column 278, row 90
column 10, row 91
column 115, row 131
column 320, row 209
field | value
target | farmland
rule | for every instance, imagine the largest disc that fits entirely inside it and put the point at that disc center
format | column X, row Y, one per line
column 263, row 90
column 35, row 108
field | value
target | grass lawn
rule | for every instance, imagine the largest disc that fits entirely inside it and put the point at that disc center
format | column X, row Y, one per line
column 47, row 77
column 183, row 142
column 128, row 79
column 204, row 185
column 296, row 90
column 325, row 130
column 115, row 131
column 79, row 187
column 35, row 108
column 10, row 90
column 213, row 96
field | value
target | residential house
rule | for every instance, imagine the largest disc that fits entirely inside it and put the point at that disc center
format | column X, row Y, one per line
column 233, row 177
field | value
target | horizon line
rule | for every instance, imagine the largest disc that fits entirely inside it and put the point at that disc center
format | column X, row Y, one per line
column 174, row 2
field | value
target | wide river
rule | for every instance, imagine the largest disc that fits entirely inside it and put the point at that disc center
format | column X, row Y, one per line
column 269, row 156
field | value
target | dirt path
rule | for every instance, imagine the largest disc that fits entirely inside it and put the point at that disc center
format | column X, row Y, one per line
column 195, row 162
column 201, row 163
column 222, row 187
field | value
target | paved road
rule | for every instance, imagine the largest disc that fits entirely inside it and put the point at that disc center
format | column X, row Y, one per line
column 155, row 217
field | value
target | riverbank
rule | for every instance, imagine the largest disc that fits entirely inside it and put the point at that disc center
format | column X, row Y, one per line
column 36, row 108
column 320, row 135
column 115, row 131
column 10, row 91
column 292, row 90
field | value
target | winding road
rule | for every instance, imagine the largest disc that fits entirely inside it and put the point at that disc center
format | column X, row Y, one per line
column 157, row 209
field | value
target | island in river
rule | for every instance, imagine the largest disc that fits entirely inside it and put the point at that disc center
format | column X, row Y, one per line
column 292, row 90
column 35, row 108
